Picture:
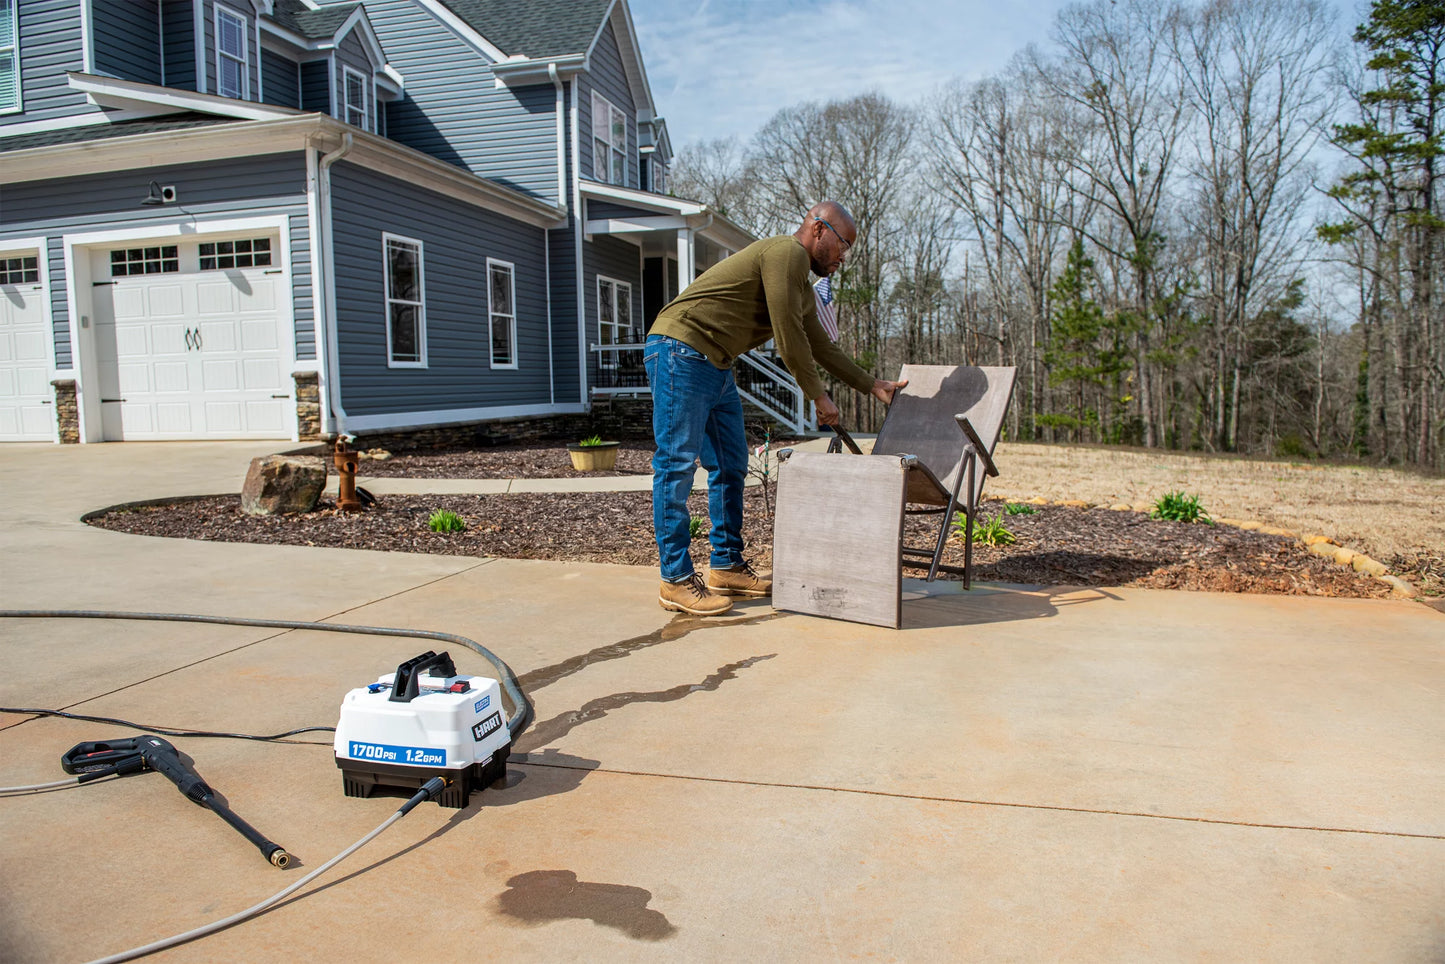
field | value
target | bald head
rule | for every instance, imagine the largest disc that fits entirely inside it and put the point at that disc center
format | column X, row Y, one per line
column 828, row 233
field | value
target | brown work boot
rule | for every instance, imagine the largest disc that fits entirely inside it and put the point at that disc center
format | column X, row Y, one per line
column 740, row 580
column 691, row 596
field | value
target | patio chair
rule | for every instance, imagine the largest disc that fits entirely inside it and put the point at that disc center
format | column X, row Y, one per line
column 838, row 546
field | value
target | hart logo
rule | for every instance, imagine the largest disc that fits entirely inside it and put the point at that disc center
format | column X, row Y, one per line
column 482, row 704
column 487, row 727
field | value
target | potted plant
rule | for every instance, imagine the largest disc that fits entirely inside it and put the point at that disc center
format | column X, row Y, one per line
column 593, row 454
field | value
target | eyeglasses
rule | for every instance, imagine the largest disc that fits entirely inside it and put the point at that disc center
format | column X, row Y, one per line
column 847, row 245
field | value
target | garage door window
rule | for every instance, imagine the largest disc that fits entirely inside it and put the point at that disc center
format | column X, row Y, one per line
column 19, row 271
column 128, row 261
column 247, row 253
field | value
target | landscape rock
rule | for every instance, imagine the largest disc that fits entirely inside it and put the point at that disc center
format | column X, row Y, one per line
column 283, row 484
column 1249, row 525
column 373, row 455
column 1037, row 500
column 1122, row 507
column 1365, row 564
column 1314, row 540
column 1342, row 555
column 1325, row 550
column 1230, row 522
column 1400, row 586
column 1074, row 503
column 1277, row 531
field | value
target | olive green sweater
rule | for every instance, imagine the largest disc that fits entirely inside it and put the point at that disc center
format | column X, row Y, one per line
column 759, row 293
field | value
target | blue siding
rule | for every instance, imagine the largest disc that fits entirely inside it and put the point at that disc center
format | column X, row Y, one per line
column 600, row 210
column 454, row 111
column 303, row 298
column 619, row 261
column 562, row 252
column 609, row 79
column 242, row 187
column 178, row 43
column 50, row 45
column 128, row 40
column 281, row 80
column 316, row 86
column 456, row 241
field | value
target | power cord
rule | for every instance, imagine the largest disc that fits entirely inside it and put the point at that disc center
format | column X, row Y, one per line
column 164, row 731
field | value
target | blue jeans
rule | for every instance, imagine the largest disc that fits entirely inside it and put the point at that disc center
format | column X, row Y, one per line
column 696, row 413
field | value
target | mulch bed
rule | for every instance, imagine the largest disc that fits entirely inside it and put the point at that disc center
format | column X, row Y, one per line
column 1057, row 545
column 500, row 462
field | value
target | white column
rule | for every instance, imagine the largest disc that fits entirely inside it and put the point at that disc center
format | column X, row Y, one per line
column 686, row 264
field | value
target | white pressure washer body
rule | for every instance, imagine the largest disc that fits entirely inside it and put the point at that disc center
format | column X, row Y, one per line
column 423, row 721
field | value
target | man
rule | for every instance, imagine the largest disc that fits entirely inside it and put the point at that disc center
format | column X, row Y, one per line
column 761, row 292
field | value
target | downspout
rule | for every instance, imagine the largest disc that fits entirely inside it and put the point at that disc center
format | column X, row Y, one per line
column 582, row 397
column 328, row 288
column 561, row 198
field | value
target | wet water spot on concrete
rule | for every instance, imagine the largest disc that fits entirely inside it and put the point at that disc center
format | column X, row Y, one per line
column 542, row 896
column 559, row 726
column 675, row 629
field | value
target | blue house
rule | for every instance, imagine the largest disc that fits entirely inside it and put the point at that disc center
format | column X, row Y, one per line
column 292, row 218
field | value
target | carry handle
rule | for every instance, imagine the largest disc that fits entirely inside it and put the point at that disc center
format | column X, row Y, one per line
column 407, row 687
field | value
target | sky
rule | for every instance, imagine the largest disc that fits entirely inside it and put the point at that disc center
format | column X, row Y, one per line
column 721, row 68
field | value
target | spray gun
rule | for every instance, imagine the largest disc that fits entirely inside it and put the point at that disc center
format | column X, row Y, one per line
column 103, row 758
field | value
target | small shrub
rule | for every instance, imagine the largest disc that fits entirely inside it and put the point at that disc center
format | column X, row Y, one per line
column 694, row 526
column 991, row 532
column 445, row 520
column 1179, row 507
column 591, row 441
column 1019, row 508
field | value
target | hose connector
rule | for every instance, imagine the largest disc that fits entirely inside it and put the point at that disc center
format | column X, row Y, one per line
column 428, row 791
column 279, row 858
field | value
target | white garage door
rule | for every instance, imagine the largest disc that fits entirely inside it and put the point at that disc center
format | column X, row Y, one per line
column 25, row 397
column 189, row 339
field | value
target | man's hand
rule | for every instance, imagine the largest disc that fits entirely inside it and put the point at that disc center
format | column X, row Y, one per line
column 883, row 391
column 827, row 412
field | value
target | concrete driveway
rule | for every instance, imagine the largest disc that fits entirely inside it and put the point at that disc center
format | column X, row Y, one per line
column 1081, row 775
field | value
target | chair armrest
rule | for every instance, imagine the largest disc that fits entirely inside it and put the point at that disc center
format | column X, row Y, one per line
column 978, row 446
column 846, row 439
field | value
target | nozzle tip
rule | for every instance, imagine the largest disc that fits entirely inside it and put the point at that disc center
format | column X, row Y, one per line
column 280, row 858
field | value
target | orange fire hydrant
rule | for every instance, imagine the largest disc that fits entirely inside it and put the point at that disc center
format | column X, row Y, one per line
column 346, row 460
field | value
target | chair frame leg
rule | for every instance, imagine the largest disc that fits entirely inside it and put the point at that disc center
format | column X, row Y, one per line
column 948, row 518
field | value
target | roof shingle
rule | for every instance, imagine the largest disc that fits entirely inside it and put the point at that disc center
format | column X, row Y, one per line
column 537, row 29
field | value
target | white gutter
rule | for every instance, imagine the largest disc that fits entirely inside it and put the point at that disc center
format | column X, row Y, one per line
column 328, row 288
column 559, row 107
column 583, row 397
column 318, row 306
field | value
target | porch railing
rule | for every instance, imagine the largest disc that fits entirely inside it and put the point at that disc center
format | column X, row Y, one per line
column 761, row 381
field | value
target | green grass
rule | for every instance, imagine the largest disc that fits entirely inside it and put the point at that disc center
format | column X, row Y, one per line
column 991, row 532
column 1178, row 507
column 445, row 520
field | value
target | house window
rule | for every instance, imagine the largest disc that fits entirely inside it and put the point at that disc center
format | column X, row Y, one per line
column 614, row 316
column 231, row 63
column 157, row 260
column 246, row 253
column 502, row 311
column 356, row 107
column 405, row 303
column 609, row 141
column 9, row 58
column 659, row 177
column 19, row 271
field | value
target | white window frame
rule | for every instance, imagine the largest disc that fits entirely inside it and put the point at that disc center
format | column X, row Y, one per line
column 346, row 106
column 609, row 358
column 387, row 239
column 11, row 45
column 616, row 153
column 659, row 176
column 244, row 60
column 493, row 314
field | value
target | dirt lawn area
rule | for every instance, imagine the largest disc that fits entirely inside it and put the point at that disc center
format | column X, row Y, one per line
column 1381, row 512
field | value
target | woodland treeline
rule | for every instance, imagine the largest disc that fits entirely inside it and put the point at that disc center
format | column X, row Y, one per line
column 1212, row 226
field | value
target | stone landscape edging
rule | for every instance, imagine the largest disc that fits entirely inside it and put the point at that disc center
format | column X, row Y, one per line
column 1320, row 545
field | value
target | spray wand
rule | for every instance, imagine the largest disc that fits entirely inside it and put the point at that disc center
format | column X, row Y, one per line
column 102, row 758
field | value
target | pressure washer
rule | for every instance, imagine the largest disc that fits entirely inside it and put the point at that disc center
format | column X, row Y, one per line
column 423, row 726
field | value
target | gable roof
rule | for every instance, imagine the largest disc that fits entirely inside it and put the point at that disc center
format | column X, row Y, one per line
column 535, row 29
column 96, row 132
column 320, row 24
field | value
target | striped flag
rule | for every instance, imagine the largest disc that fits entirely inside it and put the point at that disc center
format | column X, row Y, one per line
column 827, row 315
